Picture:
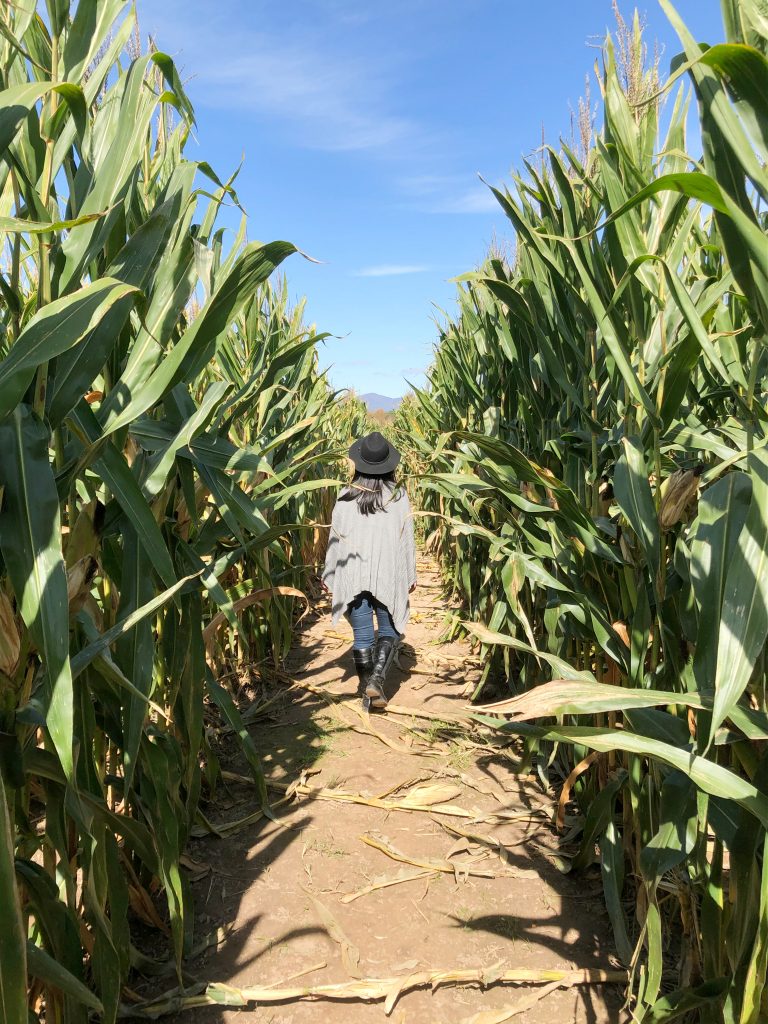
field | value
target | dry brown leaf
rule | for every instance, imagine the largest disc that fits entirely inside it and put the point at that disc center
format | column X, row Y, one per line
column 382, row 843
column 460, row 846
column 341, row 796
column 10, row 643
column 350, row 954
column 257, row 597
column 384, row 883
column 507, row 1012
column 79, row 578
column 143, row 907
column 406, row 784
column 388, row 989
column 196, row 869
column 407, row 965
column 482, row 787
column 565, row 793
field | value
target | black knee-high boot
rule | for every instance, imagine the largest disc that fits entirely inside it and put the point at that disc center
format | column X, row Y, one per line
column 383, row 653
column 364, row 666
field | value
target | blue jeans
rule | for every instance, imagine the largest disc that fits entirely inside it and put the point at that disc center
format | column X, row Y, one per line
column 360, row 615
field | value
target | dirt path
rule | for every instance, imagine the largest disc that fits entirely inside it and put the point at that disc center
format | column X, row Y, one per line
column 282, row 890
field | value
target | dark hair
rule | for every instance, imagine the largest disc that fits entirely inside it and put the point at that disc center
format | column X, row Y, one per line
column 368, row 492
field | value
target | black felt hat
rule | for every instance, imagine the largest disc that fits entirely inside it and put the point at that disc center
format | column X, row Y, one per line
column 373, row 455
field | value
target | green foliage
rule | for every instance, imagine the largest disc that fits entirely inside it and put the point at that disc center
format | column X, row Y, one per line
column 164, row 429
column 591, row 453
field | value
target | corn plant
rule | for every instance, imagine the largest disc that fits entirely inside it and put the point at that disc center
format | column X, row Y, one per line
column 592, row 445
column 160, row 406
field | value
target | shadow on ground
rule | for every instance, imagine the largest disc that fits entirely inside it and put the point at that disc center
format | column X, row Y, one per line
column 262, row 883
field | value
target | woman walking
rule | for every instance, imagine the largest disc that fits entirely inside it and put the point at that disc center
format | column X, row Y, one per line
column 370, row 567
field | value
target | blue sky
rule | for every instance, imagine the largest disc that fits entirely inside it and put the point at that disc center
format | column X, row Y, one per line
column 364, row 126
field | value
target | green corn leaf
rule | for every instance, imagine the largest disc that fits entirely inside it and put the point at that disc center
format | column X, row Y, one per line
column 714, row 535
column 15, row 105
column 16, row 225
column 193, row 425
column 488, row 636
column 599, row 814
column 118, row 476
column 77, row 368
column 43, row 967
column 710, row 777
column 84, row 657
column 752, row 1004
column 652, row 983
column 633, row 493
column 13, row 957
column 743, row 625
column 30, row 541
column 612, row 871
column 193, row 350
column 56, row 328
column 223, row 700
column 134, row 649
column 684, row 1001
column 677, row 831
column 90, row 26
column 692, row 184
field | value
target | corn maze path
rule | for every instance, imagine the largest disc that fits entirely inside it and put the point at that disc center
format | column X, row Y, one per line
column 295, row 897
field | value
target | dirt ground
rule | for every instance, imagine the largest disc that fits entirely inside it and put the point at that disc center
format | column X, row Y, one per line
column 280, row 889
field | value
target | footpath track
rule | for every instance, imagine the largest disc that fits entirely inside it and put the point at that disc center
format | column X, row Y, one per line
column 409, row 873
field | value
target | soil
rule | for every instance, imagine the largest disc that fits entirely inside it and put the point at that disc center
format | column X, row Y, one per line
column 276, row 887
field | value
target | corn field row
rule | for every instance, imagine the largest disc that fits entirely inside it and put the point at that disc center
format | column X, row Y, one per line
column 166, row 447
column 591, row 448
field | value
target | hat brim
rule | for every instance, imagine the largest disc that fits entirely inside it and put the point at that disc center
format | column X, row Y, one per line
column 374, row 468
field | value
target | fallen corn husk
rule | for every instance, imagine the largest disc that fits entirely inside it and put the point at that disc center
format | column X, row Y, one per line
column 423, row 798
column 371, row 989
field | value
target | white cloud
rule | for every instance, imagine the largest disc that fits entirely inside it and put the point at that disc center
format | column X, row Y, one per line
column 391, row 270
column 328, row 99
column 477, row 200
column 449, row 193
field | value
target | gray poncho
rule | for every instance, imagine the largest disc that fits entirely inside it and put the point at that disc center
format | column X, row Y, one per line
column 374, row 553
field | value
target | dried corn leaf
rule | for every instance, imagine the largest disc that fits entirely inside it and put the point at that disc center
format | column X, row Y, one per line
column 508, row 1012
column 385, row 883
column 407, row 784
column 341, row 796
column 79, row 578
column 490, row 842
column 143, row 907
column 565, row 793
column 350, row 954
column 382, row 843
column 374, row 989
column 10, row 643
column 196, row 869
column 481, row 786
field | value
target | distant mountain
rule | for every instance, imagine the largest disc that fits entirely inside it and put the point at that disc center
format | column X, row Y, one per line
column 376, row 402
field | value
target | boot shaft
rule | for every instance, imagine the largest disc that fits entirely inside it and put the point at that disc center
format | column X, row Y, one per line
column 363, row 666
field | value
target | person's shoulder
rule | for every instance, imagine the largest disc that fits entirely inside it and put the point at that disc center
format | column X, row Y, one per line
column 343, row 505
